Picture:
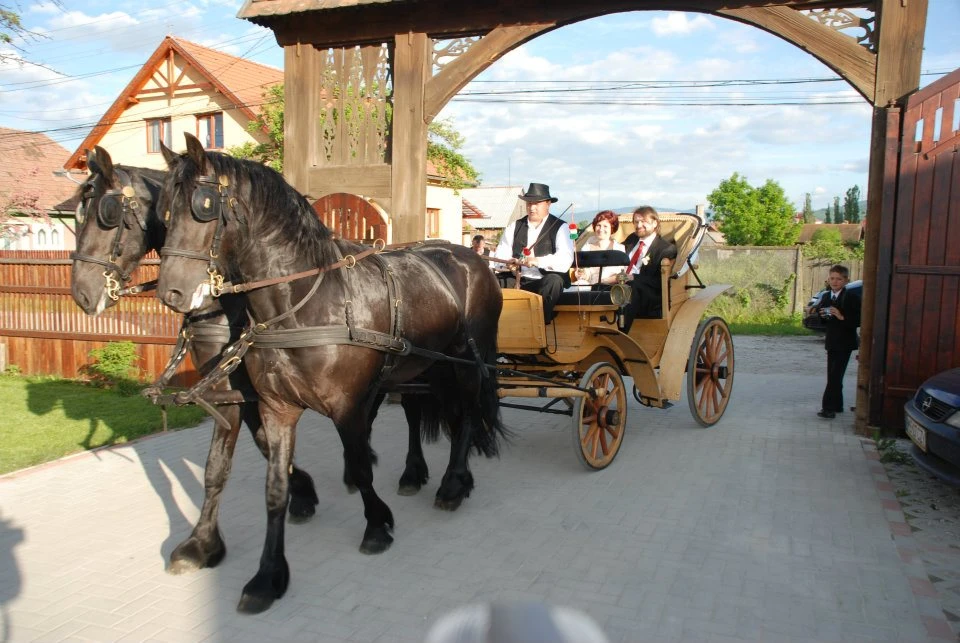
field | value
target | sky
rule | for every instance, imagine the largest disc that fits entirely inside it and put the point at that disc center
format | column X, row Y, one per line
column 633, row 108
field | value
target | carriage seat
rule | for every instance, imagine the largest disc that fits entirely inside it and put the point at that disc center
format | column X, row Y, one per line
column 597, row 294
column 685, row 231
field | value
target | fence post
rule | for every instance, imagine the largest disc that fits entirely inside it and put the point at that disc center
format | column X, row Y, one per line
column 797, row 285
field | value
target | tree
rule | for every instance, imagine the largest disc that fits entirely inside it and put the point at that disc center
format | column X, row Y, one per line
column 443, row 145
column 12, row 29
column 827, row 218
column 443, row 148
column 19, row 207
column 851, row 205
column 837, row 217
column 270, row 120
column 808, row 209
column 753, row 216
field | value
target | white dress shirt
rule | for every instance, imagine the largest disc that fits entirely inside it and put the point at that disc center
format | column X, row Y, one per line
column 647, row 242
column 559, row 261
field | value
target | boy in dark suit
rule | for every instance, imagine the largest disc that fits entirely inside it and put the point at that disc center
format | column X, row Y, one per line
column 840, row 311
column 645, row 248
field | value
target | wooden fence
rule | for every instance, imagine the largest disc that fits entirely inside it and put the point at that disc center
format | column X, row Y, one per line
column 46, row 333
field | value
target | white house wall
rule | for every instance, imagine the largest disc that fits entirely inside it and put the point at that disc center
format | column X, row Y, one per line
column 127, row 138
column 451, row 212
column 32, row 234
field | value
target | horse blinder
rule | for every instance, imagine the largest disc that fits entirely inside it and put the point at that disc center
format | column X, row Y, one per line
column 205, row 203
column 113, row 204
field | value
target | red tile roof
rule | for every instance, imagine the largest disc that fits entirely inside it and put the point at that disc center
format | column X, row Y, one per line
column 29, row 160
column 240, row 81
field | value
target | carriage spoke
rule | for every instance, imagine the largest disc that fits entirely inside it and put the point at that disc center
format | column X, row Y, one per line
column 602, row 439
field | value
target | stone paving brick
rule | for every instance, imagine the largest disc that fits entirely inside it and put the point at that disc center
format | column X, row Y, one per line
column 751, row 530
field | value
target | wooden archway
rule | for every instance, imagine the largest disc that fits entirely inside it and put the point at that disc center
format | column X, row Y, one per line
column 352, row 217
column 341, row 57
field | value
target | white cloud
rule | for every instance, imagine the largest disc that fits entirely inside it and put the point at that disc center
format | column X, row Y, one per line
column 44, row 8
column 103, row 23
column 679, row 24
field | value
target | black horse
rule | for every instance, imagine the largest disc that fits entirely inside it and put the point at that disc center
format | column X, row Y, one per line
column 117, row 224
column 334, row 338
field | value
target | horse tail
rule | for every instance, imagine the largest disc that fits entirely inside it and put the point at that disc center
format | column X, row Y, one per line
column 431, row 420
column 486, row 439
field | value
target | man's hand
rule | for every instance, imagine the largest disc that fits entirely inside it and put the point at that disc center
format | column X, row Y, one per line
column 530, row 261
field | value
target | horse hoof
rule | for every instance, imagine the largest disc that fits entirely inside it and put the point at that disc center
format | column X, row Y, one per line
column 191, row 555
column 250, row 604
column 300, row 512
column 408, row 489
column 447, row 504
column 183, row 566
column 351, row 489
column 376, row 541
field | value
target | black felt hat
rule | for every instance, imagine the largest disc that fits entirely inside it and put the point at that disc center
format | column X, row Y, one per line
column 538, row 192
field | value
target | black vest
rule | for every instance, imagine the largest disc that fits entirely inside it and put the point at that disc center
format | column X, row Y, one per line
column 547, row 241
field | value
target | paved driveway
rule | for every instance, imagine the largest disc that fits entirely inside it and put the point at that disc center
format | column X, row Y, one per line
column 772, row 525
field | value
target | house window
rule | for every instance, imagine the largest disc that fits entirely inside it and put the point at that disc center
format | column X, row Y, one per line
column 210, row 130
column 54, row 239
column 41, row 238
column 433, row 223
column 158, row 129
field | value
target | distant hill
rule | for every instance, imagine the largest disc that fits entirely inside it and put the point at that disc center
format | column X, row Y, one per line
column 821, row 214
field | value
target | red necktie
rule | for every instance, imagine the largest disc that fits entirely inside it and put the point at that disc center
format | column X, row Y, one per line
column 636, row 257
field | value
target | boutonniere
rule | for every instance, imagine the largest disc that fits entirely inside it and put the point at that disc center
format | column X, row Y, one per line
column 645, row 260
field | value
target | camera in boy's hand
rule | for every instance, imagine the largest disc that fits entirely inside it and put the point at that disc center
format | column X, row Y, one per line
column 825, row 312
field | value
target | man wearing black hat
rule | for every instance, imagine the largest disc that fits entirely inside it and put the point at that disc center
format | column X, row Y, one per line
column 540, row 245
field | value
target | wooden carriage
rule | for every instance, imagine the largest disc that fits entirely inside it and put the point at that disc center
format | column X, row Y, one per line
column 579, row 361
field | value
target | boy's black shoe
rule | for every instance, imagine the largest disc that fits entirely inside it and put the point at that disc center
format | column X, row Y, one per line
column 827, row 414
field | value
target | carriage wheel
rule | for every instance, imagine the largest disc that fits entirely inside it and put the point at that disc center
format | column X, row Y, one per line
column 599, row 422
column 710, row 371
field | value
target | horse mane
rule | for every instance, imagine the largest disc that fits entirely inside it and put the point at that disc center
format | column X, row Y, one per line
column 276, row 215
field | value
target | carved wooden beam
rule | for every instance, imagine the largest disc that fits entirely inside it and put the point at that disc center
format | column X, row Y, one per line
column 483, row 53
column 853, row 62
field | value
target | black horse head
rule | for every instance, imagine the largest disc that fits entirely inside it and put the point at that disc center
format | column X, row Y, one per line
column 117, row 224
column 214, row 207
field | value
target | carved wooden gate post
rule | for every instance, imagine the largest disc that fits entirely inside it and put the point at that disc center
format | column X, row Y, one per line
column 411, row 69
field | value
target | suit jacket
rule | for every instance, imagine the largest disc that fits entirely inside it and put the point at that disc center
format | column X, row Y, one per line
column 646, row 283
column 842, row 334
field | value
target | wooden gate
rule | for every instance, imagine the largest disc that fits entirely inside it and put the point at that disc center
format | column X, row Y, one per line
column 352, row 217
column 922, row 270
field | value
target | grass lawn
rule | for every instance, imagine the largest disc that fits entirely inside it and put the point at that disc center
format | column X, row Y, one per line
column 45, row 419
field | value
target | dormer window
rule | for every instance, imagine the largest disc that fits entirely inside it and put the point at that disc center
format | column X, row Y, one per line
column 210, row 130
column 158, row 129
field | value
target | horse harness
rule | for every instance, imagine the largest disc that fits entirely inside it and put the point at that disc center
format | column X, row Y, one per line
column 260, row 334
column 111, row 213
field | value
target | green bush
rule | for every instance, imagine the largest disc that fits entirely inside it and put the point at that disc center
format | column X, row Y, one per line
column 115, row 366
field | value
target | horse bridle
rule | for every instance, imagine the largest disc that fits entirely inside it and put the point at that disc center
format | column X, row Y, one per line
column 208, row 202
column 112, row 213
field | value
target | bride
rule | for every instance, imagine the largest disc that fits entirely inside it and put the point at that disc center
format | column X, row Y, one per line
column 604, row 225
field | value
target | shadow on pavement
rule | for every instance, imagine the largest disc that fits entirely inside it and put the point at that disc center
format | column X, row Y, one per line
column 108, row 425
column 10, row 537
